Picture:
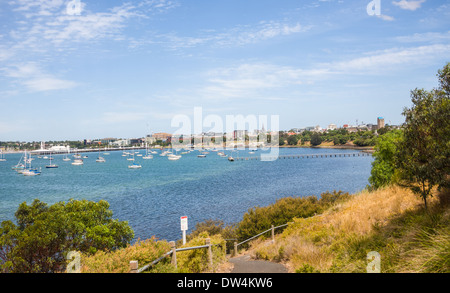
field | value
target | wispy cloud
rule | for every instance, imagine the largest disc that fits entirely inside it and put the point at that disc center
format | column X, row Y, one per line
column 380, row 61
column 433, row 37
column 386, row 17
column 240, row 35
column 49, row 21
column 35, row 80
column 256, row 80
column 409, row 5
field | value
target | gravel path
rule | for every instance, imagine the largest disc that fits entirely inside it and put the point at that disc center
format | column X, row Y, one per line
column 243, row 264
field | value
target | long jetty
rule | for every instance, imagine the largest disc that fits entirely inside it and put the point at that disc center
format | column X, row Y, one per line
column 306, row 156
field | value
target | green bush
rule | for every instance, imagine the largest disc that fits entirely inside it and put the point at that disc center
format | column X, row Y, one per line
column 259, row 219
column 196, row 261
column 213, row 227
column 118, row 261
column 45, row 234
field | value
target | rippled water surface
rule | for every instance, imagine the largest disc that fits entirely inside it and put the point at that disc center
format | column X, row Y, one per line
column 153, row 198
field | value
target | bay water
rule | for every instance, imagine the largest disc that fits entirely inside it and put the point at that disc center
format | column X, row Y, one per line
column 152, row 199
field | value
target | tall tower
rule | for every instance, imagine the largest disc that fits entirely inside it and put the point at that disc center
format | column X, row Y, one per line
column 380, row 122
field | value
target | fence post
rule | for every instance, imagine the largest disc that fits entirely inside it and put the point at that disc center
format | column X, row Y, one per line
column 134, row 266
column 174, row 253
column 273, row 234
column 235, row 248
column 210, row 256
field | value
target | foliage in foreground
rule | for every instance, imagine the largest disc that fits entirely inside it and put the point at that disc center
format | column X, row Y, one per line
column 284, row 210
column 418, row 157
column 118, row 261
column 196, row 261
column 389, row 220
column 45, row 234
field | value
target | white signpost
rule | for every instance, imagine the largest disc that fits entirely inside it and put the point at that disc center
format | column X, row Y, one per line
column 184, row 227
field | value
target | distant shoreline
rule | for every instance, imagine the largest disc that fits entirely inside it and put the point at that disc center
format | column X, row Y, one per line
column 349, row 147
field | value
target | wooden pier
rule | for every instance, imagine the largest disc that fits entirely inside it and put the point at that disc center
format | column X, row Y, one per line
column 305, row 156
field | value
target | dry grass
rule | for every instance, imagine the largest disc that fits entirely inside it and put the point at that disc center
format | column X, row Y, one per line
column 311, row 240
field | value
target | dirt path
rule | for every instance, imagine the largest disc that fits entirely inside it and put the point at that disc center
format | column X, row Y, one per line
column 244, row 264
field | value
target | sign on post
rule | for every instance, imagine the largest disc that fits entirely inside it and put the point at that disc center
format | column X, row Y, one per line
column 184, row 227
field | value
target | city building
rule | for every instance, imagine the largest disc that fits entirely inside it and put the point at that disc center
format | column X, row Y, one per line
column 162, row 136
column 332, row 127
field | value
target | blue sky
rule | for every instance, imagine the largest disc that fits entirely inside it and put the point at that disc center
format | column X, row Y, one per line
column 126, row 68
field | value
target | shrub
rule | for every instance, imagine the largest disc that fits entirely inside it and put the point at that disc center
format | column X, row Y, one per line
column 118, row 261
column 196, row 261
column 45, row 234
column 284, row 210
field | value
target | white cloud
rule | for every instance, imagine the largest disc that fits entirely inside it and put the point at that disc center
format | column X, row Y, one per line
column 391, row 58
column 256, row 80
column 49, row 21
column 425, row 37
column 409, row 5
column 386, row 17
column 40, row 84
column 236, row 36
column 35, row 80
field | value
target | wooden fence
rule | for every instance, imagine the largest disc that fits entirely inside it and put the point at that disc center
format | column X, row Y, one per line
column 134, row 265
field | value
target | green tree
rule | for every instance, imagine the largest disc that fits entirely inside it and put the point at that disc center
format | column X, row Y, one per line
column 45, row 234
column 316, row 139
column 424, row 152
column 383, row 167
column 292, row 140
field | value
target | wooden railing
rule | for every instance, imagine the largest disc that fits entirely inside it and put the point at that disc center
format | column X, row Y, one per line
column 134, row 265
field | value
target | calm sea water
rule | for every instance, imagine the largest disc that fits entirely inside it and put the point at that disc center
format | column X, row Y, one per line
column 153, row 198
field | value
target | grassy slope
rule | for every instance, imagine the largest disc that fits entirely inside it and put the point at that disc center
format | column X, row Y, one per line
column 391, row 221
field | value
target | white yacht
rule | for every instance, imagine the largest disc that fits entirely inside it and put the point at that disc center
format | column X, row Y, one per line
column 77, row 162
column 134, row 166
column 51, row 166
column 173, row 157
column 100, row 160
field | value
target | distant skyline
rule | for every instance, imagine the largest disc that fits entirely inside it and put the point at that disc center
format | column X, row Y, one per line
column 126, row 68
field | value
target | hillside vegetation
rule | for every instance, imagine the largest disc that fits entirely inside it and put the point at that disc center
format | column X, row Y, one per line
column 391, row 221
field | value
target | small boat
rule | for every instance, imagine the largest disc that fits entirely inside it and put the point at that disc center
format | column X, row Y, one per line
column 20, row 166
column 66, row 159
column 201, row 156
column 100, row 160
column 78, row 162
column 85, row 157
column 2, row 157
column 134, row 166
column 173, row 157
column 31, row 172
column 231, row 159
column 51, row 166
